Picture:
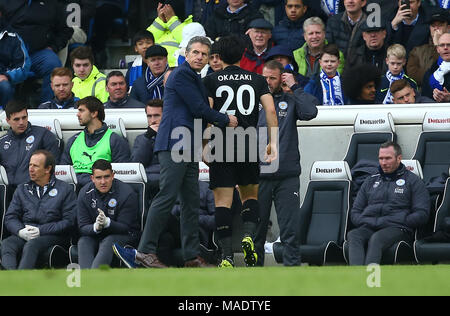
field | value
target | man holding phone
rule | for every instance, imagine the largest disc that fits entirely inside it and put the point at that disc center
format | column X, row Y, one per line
column 409, row 26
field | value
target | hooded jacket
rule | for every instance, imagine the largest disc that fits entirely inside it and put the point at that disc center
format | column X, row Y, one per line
column 15, row 63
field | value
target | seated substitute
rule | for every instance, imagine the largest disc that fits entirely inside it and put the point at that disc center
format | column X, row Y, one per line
column 95, row 142
column 107, row 214
column 41, row 214
column 19, row 143
column 143, row 148
column 388, row 208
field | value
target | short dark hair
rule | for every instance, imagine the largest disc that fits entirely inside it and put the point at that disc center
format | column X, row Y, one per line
column 114, row 73
column 231, row 48
column 331, row 49
column 273, row 65
column 82, row 52
column 397, row 148
column 93, row 105
column 50, row 160
column 101, row 164
column 15, row 106
column 143, row 34
column 398, row 85
column 155, row 103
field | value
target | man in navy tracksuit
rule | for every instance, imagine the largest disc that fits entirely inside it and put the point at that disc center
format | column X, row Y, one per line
column 388, row 208
column 22, row 139
column 283, row 185
column 41, row 214
column 143, row 148
column 107, row 214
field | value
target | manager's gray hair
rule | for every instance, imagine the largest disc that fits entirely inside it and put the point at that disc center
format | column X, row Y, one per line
column 199, row 39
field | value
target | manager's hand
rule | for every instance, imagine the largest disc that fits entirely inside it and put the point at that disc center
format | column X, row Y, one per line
column 233, row 121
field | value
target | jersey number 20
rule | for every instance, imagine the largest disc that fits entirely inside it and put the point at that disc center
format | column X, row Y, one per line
column 239, row 99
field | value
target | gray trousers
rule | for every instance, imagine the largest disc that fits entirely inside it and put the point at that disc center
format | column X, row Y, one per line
column 375, row 242
column 20, row 254
column 175, row 179
column 94, row 251
column 285, row 194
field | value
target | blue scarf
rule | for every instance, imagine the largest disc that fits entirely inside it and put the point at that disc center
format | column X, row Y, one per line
column 389, row 98
column 331, row 89
column 437, row 78
column 330, row 7
column 445, row 4
column 155, row 84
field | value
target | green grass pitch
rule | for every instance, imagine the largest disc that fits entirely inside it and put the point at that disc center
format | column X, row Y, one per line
column 267, row 281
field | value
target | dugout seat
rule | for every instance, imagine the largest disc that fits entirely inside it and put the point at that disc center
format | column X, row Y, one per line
column 323, row 214
column 3, row 201
column 402, row 251
column 436, row 251
column 133, row 174
column 117, row 125
column 53, row 125
column 371, row 129
column 433, row 153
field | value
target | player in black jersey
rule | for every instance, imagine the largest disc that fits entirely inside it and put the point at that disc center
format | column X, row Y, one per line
column 238, row 92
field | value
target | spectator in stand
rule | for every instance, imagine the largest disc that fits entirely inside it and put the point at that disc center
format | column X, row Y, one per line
column 395, row 60
column 105, row 13
column 15, row 62
column 106, row 215
column 327, row 86
column 41, row 214
column 136, row 69
column 436, row 81
column 191, row 30
column 95, row 142
column 150, row 86
column 61, row 83
column 331, row 7
column 307, row 56
column 88, row 81
column 409, row 26
column 231, row 19
column 403, row 93
column 361, row 83
column 215, row 63
column 285, row 57
column 421, row 58
column 168, row 26
column 21, row 140
column 373, row 50
column 42, row 26
column 289, row 32
column 116, row 86
column 202, row 9
column 260, row 33
column 344, row 29
column 144, row 144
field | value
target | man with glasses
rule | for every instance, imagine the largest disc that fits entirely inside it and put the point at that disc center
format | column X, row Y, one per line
column 436, row 82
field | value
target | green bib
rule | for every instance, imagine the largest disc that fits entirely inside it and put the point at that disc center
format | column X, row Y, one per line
column 83, row 157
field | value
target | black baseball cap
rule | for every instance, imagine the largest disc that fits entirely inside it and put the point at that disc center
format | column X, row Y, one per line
column 155, row 50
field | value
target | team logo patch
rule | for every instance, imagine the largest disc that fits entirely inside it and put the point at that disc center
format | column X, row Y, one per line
column 30, row 139
column 376, row 184
column 283, row 105
column 112, row 203
column 400, row 182
column 53, row 192
column 94, row 203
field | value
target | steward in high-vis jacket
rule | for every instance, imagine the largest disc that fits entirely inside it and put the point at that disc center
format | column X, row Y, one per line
column 168, row 28
column 117, row 205
column 41, row 214
column 95, row 142
column 283, row 184
column 21, row 140
column 389, row 207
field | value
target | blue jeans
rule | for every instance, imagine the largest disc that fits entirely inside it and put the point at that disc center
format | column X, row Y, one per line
column 42, row 64
column 6, row 92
